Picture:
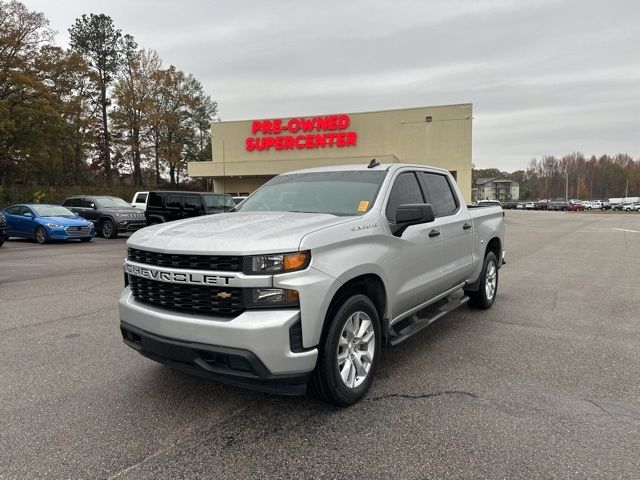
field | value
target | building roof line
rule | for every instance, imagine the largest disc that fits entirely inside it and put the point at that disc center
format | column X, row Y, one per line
column 348, row 113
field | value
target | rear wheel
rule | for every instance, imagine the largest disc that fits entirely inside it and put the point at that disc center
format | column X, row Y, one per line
column 348, row 353
column 109, row 229
column 488, row 288
column 41, row 235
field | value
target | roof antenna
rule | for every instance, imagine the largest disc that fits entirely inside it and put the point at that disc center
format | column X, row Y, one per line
column 373, row 163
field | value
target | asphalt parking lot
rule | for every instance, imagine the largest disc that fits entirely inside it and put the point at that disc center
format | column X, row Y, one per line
column 546, row 384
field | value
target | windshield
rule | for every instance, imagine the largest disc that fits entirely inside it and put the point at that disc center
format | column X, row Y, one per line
column 112, row 202
column 336, row 193
column 52, row 211
column 218, row 201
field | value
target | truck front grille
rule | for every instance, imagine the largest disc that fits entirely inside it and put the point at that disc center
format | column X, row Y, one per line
column 188, row 298
column 218, row 263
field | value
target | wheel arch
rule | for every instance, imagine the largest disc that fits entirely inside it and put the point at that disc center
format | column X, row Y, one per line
column 155, row 218
column 368, row 284
column 495, row 246
column 35, row 229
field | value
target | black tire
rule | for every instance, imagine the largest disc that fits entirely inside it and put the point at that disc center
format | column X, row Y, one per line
column 326, row 384
column 480, row 298
column 108, row 229
column 40, row 235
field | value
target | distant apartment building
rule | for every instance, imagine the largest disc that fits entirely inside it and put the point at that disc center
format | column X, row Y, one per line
column 497, row 188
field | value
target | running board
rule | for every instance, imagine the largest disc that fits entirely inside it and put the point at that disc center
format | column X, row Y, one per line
column 415, row 323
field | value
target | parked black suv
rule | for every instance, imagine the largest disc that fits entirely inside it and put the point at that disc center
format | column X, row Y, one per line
column 3, row 228
column 110, row 215
column 167, row 206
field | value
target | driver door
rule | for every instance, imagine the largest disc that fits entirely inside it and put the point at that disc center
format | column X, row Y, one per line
column 25, row 225
column 417, row 270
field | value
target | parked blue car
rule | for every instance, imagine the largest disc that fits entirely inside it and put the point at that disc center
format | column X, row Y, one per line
column 3, row 228
column 46, row 222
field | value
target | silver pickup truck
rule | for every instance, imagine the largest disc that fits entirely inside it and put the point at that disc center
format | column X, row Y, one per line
column 310, row 278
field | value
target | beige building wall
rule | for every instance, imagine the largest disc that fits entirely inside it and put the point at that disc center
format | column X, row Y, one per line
column 404, row 136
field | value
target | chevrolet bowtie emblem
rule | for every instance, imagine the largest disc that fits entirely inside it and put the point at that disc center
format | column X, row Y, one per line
column 223, row 295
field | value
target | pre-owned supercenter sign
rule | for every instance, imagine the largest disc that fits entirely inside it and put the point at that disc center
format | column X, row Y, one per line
column 301, row 133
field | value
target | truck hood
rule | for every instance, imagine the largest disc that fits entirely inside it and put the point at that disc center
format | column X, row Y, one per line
column 239, row 233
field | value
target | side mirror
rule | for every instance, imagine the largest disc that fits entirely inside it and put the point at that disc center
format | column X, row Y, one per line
column 92, row 205
column 412, row 214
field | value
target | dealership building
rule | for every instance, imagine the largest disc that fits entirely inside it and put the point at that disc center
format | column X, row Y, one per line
column 247, row 153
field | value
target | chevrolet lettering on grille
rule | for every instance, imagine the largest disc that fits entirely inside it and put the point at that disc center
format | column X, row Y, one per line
column 170, row 276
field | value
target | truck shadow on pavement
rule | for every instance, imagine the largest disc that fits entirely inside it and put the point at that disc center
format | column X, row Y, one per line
column 390, row 379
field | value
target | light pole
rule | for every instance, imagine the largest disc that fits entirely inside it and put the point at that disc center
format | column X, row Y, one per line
column 549, row 163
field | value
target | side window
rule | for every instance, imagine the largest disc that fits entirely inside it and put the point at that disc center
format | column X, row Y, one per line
column 141, row 198
column 83, row 202
column 155, row 200
column 405, row 190
column 440, row 194
column 173, row 200
column 13, row 210
column 192, row 202
column 69, row 202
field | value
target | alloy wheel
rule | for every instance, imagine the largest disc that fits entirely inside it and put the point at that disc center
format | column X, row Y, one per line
column 107, row 229
column 356, row 349
column 41, row 236
column 491, row 280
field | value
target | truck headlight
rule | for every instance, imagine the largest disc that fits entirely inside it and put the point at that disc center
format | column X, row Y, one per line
column 277, row 263
column 272, row 297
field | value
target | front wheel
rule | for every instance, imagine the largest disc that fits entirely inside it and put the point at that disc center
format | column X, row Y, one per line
column 109, row 229
column 348, row 353
column 486, row 294
column 41, row 235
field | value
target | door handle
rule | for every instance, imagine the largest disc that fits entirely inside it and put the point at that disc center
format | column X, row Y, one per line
column 434, row 233
column 466, row 226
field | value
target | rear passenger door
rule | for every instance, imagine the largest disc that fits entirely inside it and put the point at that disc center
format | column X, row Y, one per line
column 174, row 206
column 192, row 205
column 454, row 224
column 417, row 265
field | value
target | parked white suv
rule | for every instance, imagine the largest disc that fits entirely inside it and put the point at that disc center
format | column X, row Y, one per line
column 310, row 278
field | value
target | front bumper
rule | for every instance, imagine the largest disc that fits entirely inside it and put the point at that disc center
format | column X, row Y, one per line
column 69, row 233
column 130, row 225
column 263, row 333
column 229, row 365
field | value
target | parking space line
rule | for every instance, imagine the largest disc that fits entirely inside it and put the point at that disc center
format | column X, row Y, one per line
column 626, row 230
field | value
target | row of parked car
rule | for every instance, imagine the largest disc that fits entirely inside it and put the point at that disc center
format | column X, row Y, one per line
column 575, row 205
column 82, row 217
